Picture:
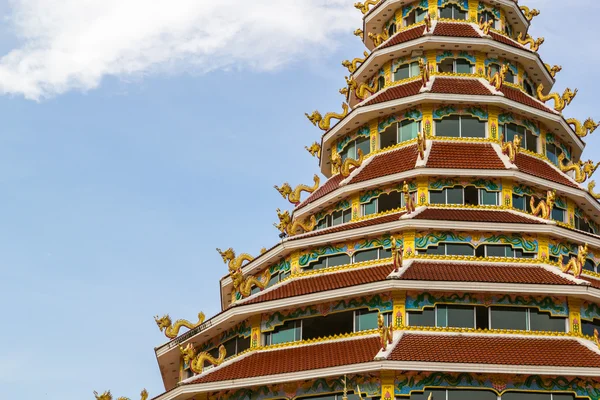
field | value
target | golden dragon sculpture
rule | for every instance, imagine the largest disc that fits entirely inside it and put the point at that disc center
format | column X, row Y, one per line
column 363, row 90
column 232, row 261
column 291, row 228
column 324, row 123
column 576, row 263
column 359, row 32
column 582, row 130
column 560, row 103
column 379, row 38
column 314, row 150
column 409, row 202
column 364, row 7
column 511, row 149
column 397, row 254
column 386, row 333
column 583, row 170
column 498, row 79
column 196, row 361
column 529, row 13
column 108, row 396
column 485, row 26
column 421, row 144
column 544, row 207
column 553, row 70
column 344, row 167
column 591, row 187
column 425, row 71
column 294, row 196
column 172, row 329
column 242, row 284
column 353, row 65
column 534, row 44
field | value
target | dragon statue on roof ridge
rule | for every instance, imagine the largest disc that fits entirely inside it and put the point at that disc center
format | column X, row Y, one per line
column 172, row 329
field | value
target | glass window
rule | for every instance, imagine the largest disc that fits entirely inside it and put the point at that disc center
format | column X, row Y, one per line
column 436, row 394
column 338, row 217
column 522, row 202
column 472, row 127
column 370, row 207
column 487, row 16
column 589, row 265
column 380, row 83
column 392, row 29
column 403, row 72
column 389, row 136
column 288, row 332
column 499, row 251
column 366, row 255
column 422, row 318
column 455, row 316
column 454, row 195
column 526, row 396
column 364, row 144
column 454, row 249
column 460, row 126
column 349, row 151
column 439, row 250
column 453, row 11
column 509, row 77
column 542, row 321
column 463, row 66
column 528, row 140
column 528, row 88
column 558, row 214
column 408, row 130
column 339, row 259
column 588, row 327
column 365, row 320
column 332, row 324
column 488, row 198
column 508, row 318
column 552, row 152
column 493, row 69
column 319, row 264
column 437, row 197
column 448, row 127
column 324, row 222
column 416, row 15
column 471, row 395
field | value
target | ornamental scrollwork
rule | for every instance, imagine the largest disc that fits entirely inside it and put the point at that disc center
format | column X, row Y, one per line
column 511, row 149
column 498, row 79
column 534, row 44
column 553, row 70
column 196, row 361
column 364, row 7
column 353, row 65
column 291, row 228
column 294, row 195
column 108, row 396
column 172, row 329
column 582, row 130
column 529, row 13
column 344, row 166
column 314, row 150
column 583, row 170
column 544, row 207
column 560, row 102
column 576, row 263
column 324, row 123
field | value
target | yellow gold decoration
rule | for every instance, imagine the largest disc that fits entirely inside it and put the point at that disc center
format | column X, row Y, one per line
column 353, row 65
column 576, row 263
column 409, row 202
column 386, row 333
column 232, row 261
column 421, row 144
column 511, row 149
column 344, row 167
column 172, row 330
column 427, row 21
column 553, row 70
column 362, row 91
column 290, row 228
column 196, row 361
column 387, row 385
column 364, row 7
column 485, row 26
column 241, row 283
column 294, row 196
column 582, row 130
column 314, row 150
column 379, row 38
column 255, row 331
column 529, row 14
column 399, row 308
column 559, row 102
column 397, row 250
column 498, row 79
column 108, row 396
column 597, row 337
column 575, row 315
column 324, row 123
column 591, row 187
column 359, row 32
column 583, row 170
column 534, row 44
column 544, row 207
column 425, row 71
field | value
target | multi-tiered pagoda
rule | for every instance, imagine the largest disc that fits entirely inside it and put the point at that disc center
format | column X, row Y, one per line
column 452, row 253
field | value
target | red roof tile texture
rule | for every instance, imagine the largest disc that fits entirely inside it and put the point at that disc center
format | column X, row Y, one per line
column 503, row 39
column 320, row 283
column 523, row 98
column 405, row 36
column 430, row 271
column 536, row 167
column 594, row 282
column 394, row 162
column 495, row 350
column 455, row 30
column 395, row 92
column 464, row 156
column 324, row 190
column 475, row 216
column 471, row 87
column 296, row 359
column 348, row 226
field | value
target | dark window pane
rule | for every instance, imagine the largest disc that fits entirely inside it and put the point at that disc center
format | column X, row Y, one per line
column 471, row 395
column 366, row 255
column 403, row 72
column 463, row 66
column 365, row 320
column 347, row 215
column 408, row 130
column 461, row 317
column 288, row 332
column 389, row 136
column 446, row 12
column 509, row 318
column 340, row 259
column 472, row 127
column 453, row 249
column 437, row 394
column 338, row 217
column 389, row 201
column 448, row 127
column 558, row 214
column 423, row 318
column 437, row 197
column 370, row 207
column 364, row 145
column 588, row 327
column 562, row 396
column 510, row 77
column 446, row 65
column 471, row 195
column 532, row 142
column 541, row 321
column 319, row 264
column 488, row 198
column 385, row 253
column 497, row 251
column 526, row 396
column 332, row 324
column 230, row 347
column 589, row 265
column 454, row 195
column 380, row 83
column 460, row 14
column 482, row 320
column 392, row 29
column 440, row 250
column 518, row 202
column 480, row 251
column 243, row 343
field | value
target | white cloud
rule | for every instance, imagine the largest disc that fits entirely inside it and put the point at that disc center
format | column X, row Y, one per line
column 72, row 44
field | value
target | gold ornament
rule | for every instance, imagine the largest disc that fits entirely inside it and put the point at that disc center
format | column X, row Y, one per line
column 379, row 38
column 196, row 362
column 582, row 130
column 344, row 167
column 597, row 337
column 172, row 330
column 364, row 7
column 529, row 14
column 353, row 65
column 242, row 284
column 232, row 261
column 408, row 199
column 583, row 170
column 485, row 26
column 534, row 44
column 559, row 102
column 511, row 149
column 324, row 123
column 108, row 396
column 362, row 91
column 427, row 21
column 289, row 227
column 498, row 79
column 294, row 196
column 421, row 144
column 397, row 254
column 544, row 207
column 591, row 187
column 314, row 150
column 425, row 71
column 553, row 70
column 359, row 32
column 576, row 263
column 386, row 333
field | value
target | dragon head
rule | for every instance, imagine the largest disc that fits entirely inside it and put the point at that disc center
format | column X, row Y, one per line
column 590, row 125
column 551, row 197
column 346, row 63
column 284, row 190
column 358, row 32
column 188, row 352
column 164, row 322
column 314, row 149
column 315, row 117
column 227, row 255
column 569, row 95
column 144, row 394
column 103, row 396
column 284, row 220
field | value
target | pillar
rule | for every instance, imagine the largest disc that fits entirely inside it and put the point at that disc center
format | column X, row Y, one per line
column 571, row 213
column 255, row 339
column 409, row 244
column 473, row 6
column 544, row 248
column 374, row 134
column 493, row 114
column 399, row 301
column 422, row 190
column 295, row 263
column 356, row 207
column 433, row 9
column 427, row 122
column 388, row 381
column 507, row 192
column 575, row 316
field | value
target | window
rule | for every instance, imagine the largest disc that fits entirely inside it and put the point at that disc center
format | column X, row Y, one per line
column 559, row 214
column 552, row 152
column 237, row 345
column 460, row 126
column 278, row 277
column 365, row 320
column 371, row 254
column 385, row 202
column 588, row 327
column 537, row 396
column 406, row 71
column 455, row 394
column 589, row 265
column 336, row 218
column 351, row 149
column 453, row 11
column 494, row 68
column 450, row 316
column 528, row 87
column 328, row 262
column 528, row 140
column 339, row 396
column 449, row 249
column 291, row 331
column 522, row 202
column 582, row 224
column 525, row 319
column 469, row 195
column 508, row 30
column 493, row 250
column 380, row 83
column 392, row 29
column 456, row 66
column 399, row 132
column 415, row 16
column 487, row 16
column 329, row 325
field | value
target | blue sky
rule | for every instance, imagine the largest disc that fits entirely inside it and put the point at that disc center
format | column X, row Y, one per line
column 122, row 171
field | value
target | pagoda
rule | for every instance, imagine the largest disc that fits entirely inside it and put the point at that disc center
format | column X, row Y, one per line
column 451, row 253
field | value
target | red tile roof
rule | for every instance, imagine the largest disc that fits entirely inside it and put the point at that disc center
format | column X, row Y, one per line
column 295, row 359
column 536, row 167
column 432, row 271
column 594, row 282
column 352, row 225
column 405, row 36
column 523, row 98
column 455, row 30
column 393, row 162
column 505, row 350
column 323, row 282
column 324, row 190
column 503, row 39
column 395, row 92
column 471, row 87
column 445, row 214
column 464, row 156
